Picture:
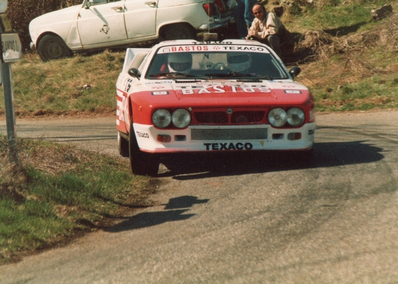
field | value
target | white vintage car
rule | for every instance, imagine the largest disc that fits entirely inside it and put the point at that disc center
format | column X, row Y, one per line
column 98, row 24
column 186, row 96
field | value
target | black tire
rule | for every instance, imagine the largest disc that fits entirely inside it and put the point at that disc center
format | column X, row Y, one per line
column 179, row 31
column 123, row 145
column 141, row 163
column 52, row 47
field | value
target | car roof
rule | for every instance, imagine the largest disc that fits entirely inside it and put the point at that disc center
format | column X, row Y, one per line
column 225, row 41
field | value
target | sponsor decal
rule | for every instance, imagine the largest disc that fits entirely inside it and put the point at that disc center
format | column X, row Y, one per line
column 292, row 91
column 160, row 93
column 127, row 85
column 224, row 89
column 142, row 134
column 219, row 47
column 228, row 146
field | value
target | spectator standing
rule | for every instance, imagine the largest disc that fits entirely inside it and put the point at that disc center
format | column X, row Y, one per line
column 265, row 28
column 243, row 16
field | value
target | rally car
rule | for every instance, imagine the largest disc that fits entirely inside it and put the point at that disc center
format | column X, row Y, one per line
column 187, row 96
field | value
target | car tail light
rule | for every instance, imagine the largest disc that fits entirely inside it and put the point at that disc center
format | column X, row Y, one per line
column 220, row 5
column 210, row 9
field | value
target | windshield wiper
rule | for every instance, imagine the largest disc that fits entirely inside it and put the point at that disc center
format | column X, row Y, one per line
column 171, row 75
column 240, row 76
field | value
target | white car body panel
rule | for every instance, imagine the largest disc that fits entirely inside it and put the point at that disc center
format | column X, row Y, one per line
column 120, row 22
column 63, row 23
column 102, row 23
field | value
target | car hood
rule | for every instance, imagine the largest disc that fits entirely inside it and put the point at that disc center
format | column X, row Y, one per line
column 58, row 16
column 222, row 93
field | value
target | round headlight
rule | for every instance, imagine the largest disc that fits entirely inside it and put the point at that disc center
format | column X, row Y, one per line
column 277, row 117
column 161, row 118
column 181, row 118
column 295, row 116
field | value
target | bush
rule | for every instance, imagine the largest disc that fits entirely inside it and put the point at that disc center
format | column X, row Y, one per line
column 21, row 12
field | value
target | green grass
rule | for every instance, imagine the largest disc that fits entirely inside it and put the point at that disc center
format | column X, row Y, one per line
column 334, row 16
column 81, row 83
column 374, row 92
column 59, row 190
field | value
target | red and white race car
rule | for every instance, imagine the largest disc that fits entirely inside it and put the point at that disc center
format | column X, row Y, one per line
column 190, row 96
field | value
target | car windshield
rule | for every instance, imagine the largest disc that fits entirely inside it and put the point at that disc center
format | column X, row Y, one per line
column 214, row 64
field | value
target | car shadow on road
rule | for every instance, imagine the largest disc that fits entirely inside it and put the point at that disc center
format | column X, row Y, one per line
column 331, row 154
column 173, row 211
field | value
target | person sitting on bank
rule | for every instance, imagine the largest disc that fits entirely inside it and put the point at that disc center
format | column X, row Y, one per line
column 265, row 28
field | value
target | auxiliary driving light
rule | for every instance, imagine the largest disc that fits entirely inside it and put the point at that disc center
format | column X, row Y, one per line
column 277, row 117
column 161, row 118
column 181, row 118
column 295, row 116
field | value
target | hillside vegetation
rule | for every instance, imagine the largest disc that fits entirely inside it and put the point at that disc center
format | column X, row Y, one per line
column 348, row 60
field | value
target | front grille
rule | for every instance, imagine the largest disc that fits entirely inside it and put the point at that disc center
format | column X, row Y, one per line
column 238, row 117
column 212, row 117
column 247, row 116
column 229, row 134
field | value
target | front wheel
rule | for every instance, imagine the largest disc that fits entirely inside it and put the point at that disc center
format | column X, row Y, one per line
column 123, row 145
column 52, row 47
column 141, row 163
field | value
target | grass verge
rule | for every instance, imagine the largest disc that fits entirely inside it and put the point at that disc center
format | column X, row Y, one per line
column 57, row 192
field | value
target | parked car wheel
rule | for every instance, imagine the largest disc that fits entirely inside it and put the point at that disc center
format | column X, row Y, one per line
column 179, row 31
column 53, row 47
column 123, row 145
column 141, row 163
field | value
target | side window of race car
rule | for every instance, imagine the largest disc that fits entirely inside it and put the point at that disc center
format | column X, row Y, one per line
column 157, row 65
column 265, row 65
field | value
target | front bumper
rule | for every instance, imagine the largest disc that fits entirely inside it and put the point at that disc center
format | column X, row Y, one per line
column 224, row 138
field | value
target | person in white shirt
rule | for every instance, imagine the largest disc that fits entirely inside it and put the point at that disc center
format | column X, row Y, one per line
column 265, row 28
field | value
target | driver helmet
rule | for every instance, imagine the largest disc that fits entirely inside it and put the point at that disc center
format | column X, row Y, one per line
column 238, row 61
column 180, row 62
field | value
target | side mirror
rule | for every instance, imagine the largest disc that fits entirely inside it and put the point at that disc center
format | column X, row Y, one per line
column 294, row 71
column 133, row 72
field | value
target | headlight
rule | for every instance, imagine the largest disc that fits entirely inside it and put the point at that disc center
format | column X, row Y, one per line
column 181, row 118
column 295, row 116
column 161, row 118
column 277, row 117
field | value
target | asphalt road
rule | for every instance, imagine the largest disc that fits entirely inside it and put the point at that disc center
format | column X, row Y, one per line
column 243, row 219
